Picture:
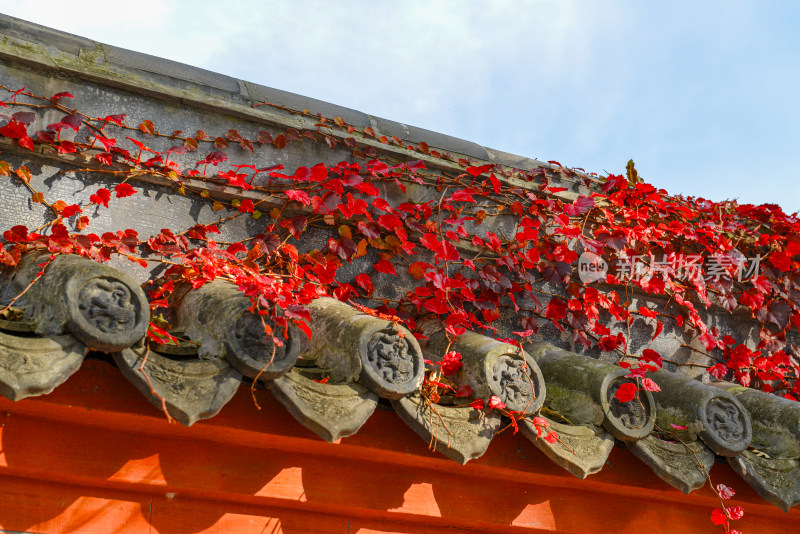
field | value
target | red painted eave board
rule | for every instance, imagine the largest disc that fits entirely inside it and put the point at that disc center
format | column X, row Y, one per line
column 94, row 456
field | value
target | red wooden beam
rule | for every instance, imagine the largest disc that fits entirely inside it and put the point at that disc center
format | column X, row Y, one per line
column 94, row 456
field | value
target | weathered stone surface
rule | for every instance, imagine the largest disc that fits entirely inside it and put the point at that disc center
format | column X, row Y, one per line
column 215, row 316
column 191, row 389
column 628, row 421
column 352, row 345
column 137, row 61
column 31, row 366
column 772, row 465
column 491, row 367
column 101, row 306
column 462, row 433
column 775, row 421
column 711, row 413
column 777, row 480
column 676, row 463
column 582, row 449
column 35, row 33
column 584, row 391
column 515, row 161
column 332, row 411
column 262, row 93
column 414, row 134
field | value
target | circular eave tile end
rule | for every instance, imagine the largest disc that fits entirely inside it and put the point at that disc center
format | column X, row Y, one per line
column 517, row 380
column 252, row 352
column 727, row 427
column 107, row 311
column 627, row 421
column 392, row 362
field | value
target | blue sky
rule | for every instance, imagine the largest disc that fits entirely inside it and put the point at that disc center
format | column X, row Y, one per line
column 703, row 95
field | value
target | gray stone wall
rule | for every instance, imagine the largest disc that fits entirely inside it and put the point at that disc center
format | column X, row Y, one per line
column 106, row 80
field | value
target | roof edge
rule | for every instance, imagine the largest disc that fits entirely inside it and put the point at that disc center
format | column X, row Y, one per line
column 44, row 47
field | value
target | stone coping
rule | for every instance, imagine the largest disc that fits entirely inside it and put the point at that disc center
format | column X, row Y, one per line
column 566, row 404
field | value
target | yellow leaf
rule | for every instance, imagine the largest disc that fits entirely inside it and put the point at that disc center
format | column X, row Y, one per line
column 361, row 249
column 24, row 174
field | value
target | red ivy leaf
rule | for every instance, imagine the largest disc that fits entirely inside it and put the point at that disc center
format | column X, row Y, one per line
column 464, row 391
column 56, row 97
column 417, row 269
column 73, row 121
column 24, row 174
column 718, row 517
column 104, row 158
column 365, row 282
column 69, row 211
column 556, row 309
column 299, row 196
column 25, row 117
column 647, row 312
column 14, row 130
column 725, row 492
column 709, row 341
column 66, row 147
column 386, row 267
column 17, row 234
column 25, row 142
column 477, row 404
column 102, row 196
column 106, row 142
column 496, row 403
column 762, row 284
column 495, row 184
column 116, row 119
column 477, row 171
column 124, row 190
column 436, row 306
column 7, row 258
column 159, row 335
column 649, row 355
column 233, row 248
column 626, row 392
column 735, row 512
column 650, row 385
column 451, row 363
column 659, row 328
column 718, row 371
column 781, row 260
column 246, row 206
column 147, row 127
